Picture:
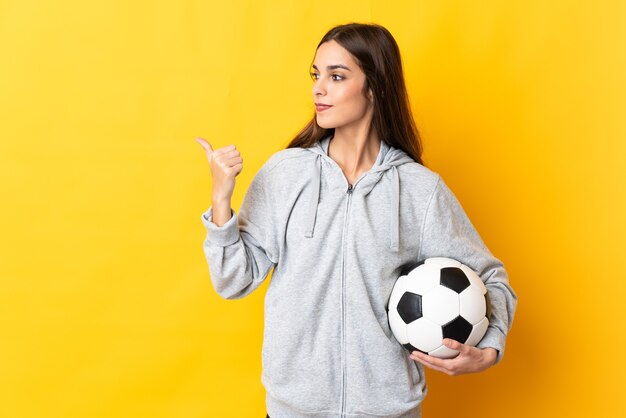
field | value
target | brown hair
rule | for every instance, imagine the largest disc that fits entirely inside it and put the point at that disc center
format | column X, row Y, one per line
column 377, row 54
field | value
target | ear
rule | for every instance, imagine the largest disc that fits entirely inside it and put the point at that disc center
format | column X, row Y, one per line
column 370, row 95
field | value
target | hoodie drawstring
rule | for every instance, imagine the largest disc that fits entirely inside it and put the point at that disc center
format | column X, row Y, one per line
column 394, row 231
column 394, row 203
column 317, row 178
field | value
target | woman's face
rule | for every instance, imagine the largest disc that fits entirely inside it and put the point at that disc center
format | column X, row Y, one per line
column 340, row 87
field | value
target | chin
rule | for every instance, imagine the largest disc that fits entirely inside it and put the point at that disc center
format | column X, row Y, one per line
column 325, row 124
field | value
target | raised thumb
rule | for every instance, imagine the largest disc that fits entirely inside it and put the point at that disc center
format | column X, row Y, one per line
column 207, row 147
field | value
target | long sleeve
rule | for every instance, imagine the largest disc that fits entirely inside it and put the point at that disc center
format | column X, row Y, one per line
column 448, row 232
column 241, row 252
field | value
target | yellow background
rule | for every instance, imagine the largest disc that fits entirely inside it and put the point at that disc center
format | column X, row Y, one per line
column 106, row 304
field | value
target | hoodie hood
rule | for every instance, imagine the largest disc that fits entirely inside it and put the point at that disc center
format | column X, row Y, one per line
column 389, row 158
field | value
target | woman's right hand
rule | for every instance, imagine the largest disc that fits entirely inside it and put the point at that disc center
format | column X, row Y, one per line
column 226, row 163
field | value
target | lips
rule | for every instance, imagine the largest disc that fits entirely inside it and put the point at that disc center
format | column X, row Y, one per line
column 321, row 107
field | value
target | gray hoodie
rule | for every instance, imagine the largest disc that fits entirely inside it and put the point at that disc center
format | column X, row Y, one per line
column 337, row 250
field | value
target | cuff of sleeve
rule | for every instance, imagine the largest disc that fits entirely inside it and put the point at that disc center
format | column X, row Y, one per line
column 494, row 339
column 224, row 235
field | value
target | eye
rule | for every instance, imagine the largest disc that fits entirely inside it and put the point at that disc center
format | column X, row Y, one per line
column 314, row 76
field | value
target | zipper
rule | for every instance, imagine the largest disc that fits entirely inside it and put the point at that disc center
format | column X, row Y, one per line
column 343, row 298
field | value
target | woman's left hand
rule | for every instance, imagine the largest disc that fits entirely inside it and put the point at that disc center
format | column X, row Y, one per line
column 469, row 360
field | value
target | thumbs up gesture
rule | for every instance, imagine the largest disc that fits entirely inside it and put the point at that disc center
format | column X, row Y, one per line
column 226, row 163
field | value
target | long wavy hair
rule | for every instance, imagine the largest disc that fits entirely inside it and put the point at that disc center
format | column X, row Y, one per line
column 377, row 54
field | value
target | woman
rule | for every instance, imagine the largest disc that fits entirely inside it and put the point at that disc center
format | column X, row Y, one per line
column 338, row 214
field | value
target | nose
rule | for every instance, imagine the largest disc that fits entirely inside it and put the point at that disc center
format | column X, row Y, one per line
column 319, row 89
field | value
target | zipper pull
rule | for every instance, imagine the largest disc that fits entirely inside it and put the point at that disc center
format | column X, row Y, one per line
column 349, row 188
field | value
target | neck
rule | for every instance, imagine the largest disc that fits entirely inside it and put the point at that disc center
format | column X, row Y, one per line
column 354, row 151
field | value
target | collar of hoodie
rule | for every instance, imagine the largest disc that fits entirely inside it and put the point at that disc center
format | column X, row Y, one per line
column 389, row 158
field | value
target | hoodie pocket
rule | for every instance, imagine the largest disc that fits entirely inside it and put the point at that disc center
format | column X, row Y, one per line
column 382, row 378
column 301, row 353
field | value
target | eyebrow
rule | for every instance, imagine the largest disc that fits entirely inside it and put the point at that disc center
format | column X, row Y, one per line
column 332, row 67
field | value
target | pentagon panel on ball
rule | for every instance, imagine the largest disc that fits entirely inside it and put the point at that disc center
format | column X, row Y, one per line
column 438, row 298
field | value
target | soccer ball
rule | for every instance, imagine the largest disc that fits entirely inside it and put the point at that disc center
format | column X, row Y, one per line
column 435, row 299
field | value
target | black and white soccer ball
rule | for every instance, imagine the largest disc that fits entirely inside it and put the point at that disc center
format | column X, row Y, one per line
column 435, row 299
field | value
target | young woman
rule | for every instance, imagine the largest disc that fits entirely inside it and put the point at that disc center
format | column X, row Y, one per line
column 337, row 215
